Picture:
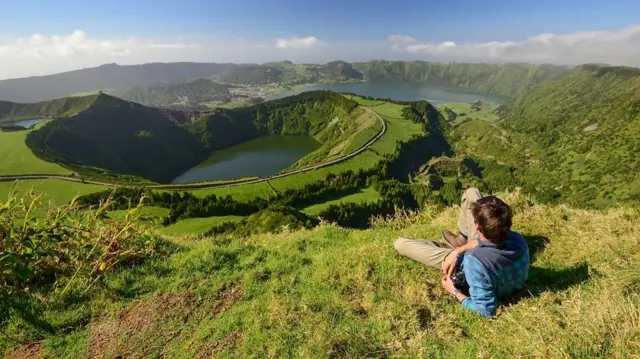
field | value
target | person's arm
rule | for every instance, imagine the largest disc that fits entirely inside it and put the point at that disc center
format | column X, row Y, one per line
column 449, row 263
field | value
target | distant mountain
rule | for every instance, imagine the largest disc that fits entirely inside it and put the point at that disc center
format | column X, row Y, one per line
column 504, row 79
column 110, row 76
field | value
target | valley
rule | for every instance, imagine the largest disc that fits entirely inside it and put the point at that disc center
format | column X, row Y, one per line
column 299, row 195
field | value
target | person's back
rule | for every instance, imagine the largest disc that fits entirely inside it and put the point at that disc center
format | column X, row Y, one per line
column 494, row 271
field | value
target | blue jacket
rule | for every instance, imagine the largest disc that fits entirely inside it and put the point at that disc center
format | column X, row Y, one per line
column 494, row 272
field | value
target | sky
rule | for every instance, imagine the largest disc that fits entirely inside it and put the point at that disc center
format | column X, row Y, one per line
column 39, row 37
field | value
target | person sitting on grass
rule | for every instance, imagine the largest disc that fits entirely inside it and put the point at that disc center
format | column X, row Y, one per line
column 494, row 259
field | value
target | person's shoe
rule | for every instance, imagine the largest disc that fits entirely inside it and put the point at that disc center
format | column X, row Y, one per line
column 454, row 240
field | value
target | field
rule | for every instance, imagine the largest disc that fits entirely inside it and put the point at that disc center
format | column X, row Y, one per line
column 196, row 226
column 16, row 158
column 144, row 214
column 367, row 194
column 56, row 192
column 334, row 292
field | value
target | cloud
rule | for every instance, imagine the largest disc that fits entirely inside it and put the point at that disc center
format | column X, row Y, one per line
column 618, row 47
column 299, row 43
column 398, row 42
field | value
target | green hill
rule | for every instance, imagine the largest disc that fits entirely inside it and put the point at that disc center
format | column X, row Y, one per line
column 119, row 137
column 324, row 292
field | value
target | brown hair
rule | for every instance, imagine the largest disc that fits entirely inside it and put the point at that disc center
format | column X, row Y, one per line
column 493, row 216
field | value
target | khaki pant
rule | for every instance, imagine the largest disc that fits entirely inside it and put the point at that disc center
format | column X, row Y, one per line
column 433, row 253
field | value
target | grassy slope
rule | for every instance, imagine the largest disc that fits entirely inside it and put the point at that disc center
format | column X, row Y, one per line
column 17, row 158
column 332, row 292
column 55, row 191
column 367, row 194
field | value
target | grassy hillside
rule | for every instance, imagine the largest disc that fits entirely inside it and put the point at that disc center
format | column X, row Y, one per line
column 503, row 79
column 332, row 292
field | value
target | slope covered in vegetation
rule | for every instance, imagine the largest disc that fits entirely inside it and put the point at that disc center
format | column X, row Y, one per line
column 571, row 140
column 328, row 292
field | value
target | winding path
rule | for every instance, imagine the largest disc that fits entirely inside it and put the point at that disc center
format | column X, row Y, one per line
column 364, row 147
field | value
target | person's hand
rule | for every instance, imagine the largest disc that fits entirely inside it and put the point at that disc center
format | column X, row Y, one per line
column 447, row 284
column 449, row 263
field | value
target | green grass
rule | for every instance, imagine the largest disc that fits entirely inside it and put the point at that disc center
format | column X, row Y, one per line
column 53, row 191
column 16, row 158
column 333, row 292
column 367, row 194
column 146, row 213
column 196, row 225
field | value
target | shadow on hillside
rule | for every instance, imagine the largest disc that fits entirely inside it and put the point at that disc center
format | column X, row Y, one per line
column 547, row 279
column 536, row 245
column 550, row 279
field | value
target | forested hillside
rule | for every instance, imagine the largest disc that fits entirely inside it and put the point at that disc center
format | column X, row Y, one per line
column 304, row 114
column 571, row 140
column 503, row 79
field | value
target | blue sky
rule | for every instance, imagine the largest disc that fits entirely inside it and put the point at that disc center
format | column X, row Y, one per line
column 64, row 34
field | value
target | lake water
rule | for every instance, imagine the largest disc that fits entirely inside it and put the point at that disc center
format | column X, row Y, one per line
column 403, row 91
column 260, row 157
column 21, row 123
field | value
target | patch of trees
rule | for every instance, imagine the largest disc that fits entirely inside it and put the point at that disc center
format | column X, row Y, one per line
column 275, row 218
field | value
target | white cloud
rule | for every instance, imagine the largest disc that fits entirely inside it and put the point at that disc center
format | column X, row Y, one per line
column 398, row 42
column 618, row 47
column 299, row 43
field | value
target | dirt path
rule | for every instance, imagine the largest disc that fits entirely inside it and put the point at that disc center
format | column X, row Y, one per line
column 356, row 152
